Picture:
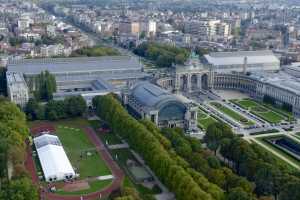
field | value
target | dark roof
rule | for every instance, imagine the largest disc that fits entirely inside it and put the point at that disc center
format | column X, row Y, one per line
column 150, row 95
column 75, row 65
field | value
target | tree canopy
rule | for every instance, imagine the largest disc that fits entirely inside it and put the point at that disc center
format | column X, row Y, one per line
column 45, row 86
column 166, row 167
column 13, row 132
column 95, row 52
column 163, row 55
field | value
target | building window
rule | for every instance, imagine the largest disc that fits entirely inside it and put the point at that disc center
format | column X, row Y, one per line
column 153, row 118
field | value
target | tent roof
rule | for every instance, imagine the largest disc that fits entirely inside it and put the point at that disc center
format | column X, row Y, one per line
column 53, row 158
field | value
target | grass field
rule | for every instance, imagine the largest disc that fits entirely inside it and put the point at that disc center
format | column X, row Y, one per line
column 266, row 112
column 232, row 114
column 123, row 155
column 94, row 186
column 278, row 150
column 204, row 119
column 76, row 145
column 288, row 166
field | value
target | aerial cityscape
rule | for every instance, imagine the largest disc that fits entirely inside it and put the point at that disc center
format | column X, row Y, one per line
column 149, row 100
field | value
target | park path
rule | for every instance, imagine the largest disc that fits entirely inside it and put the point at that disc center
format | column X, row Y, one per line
column 103, row 152
column 276, row 153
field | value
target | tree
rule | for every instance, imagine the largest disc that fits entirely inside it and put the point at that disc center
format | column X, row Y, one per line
column 13, row 132
column 239, row 194
column 214, row 135
column 291, row 190
column 46, row 86
column 142, row 141
column 75, row 106
column 265, row 180
column 34, row 110
column 22, row 189
column 55, row 110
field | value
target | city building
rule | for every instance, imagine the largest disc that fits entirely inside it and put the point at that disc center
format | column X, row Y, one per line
column 129, row 27
column 240, row 61
column 86, row 76
column 149, row 101
column 17, row 89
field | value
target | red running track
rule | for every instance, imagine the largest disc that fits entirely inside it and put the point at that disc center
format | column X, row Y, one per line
column 116, row 171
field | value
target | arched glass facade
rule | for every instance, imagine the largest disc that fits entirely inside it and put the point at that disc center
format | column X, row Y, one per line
column 172, row 111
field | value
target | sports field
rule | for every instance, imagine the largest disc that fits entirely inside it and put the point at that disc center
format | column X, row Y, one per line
column 231, row 113
column 264, row 111
column 81, row 152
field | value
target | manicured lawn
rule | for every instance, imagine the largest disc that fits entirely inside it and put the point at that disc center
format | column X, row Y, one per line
column 204, row 119
column 269, row 116
column 266, row 112
column 246, row 103
column 232, row 114
column 77, row 145
column 204, row 123
column 94, row 186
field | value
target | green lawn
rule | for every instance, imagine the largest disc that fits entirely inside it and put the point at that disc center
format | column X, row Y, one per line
column 94, row 186
column 232, row 114
column 289, row 167
column 204, row 123
column 278, row 150
column 124, row 155
column 204, row 119
column 266, row 112
column 297, row 135
column 246, row 103
column 77, row 144
column 269, row 116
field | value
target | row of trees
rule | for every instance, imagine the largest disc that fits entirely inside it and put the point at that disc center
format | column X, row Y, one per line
column 271, row 176
column 163, row 55
column 180, row 149
column 53, row 110
column 95, row 52
column 13, row 132
column 204, row 167
column 175, row 177
column 45, row 85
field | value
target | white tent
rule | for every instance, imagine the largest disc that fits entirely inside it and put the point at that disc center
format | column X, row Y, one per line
column 54, row 161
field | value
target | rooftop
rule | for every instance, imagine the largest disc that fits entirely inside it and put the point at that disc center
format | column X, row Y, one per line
column 280, row 80
column 151, row 95
column 238, row 58
column 53, row 159
column 75, row 65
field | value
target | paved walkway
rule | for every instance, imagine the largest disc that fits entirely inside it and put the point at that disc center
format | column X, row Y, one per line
column 116, row 171
column 118, row 146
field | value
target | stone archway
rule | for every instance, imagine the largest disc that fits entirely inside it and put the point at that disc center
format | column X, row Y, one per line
column 183, row 82
column 204, row 82
column 194, row 82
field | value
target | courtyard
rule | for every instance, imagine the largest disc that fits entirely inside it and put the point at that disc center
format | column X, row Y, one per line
column 264, row 111
column 231, row 113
